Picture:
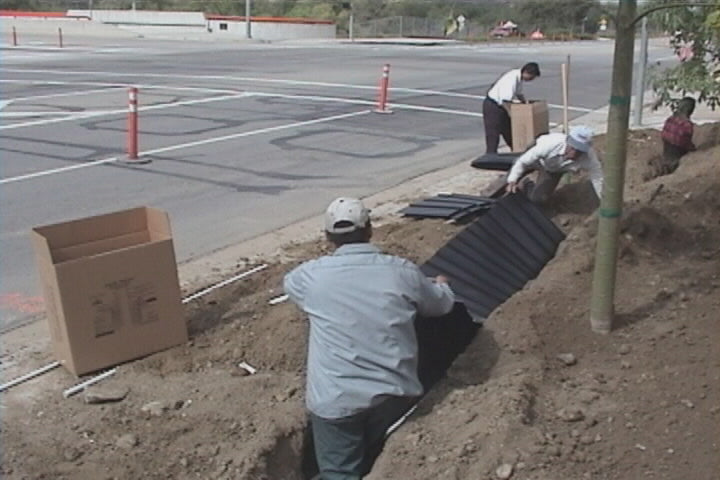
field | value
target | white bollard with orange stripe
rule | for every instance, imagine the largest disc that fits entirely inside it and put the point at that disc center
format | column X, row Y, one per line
column 132, row 124
column 383, row 95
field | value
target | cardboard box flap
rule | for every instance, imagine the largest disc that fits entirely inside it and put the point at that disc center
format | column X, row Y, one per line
column 158, row 223
column 100, row 247
column 96, row 228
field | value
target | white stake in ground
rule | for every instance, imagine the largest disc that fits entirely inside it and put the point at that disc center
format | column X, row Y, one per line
column 81, row 386
column 29, row 376
column 224, row 282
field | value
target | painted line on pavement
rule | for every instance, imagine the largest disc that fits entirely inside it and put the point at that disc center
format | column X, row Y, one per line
column 34, row 114
column 71, row 116
column 352, row 101
column 279, row 81
column 120, row 85
column 254, row 132
column 197, row 143
column 44, row 173
column 108, row 88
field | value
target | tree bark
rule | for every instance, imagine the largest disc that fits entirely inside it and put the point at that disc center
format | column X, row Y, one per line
column 603, row 289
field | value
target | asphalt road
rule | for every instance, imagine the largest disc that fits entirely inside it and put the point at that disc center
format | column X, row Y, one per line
column 243, row 138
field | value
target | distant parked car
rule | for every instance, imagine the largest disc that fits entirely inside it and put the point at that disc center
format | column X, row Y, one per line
column 502, row 32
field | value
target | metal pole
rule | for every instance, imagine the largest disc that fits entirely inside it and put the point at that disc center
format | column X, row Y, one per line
column 603, row 287
column 642, row 69
column 248, row 21
column 14, row 37
column 564, row 82
column 60, row 37
column 401, row 26
column 133, row 6
column 351, row 27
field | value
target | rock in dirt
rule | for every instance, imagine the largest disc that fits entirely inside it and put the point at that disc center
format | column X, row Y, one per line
column 98, row 395
column 504, row 471
column 72, row 454
column 567, row 358
column 127, row 441
column 571, row 414
column 624, row 349
column 155, row 408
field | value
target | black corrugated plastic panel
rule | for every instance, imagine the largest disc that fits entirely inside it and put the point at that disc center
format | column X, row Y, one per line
column 498, row 254
column 496, row 161
column 454, row 206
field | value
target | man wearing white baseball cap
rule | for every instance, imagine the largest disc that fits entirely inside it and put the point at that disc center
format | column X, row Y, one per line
column 553, row 155
column 362, row 351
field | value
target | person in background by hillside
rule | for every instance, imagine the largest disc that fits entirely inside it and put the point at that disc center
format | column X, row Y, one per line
column 677, row 134
column 495, row 115
column 362, row 349
column 553, row 155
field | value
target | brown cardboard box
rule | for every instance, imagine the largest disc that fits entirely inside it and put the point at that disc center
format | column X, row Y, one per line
column 528, row 120
column 111, row 288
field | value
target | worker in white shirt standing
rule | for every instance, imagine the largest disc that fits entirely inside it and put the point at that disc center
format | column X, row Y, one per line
column 553, row 155
column 495, row 115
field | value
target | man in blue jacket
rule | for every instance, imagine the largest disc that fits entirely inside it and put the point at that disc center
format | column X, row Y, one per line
column 363, row 352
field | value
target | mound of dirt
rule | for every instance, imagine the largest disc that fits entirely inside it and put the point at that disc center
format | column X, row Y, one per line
column 563, row 402
column 641, row 402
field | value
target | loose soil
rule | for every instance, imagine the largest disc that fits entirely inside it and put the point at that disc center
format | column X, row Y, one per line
column 641, row 402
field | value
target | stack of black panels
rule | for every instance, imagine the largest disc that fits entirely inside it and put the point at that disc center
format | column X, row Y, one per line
column 496, row 161
column 497, row 255
column 452, row 206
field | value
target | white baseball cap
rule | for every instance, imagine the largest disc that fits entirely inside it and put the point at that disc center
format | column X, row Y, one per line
column 580, row 138
column 345, row 215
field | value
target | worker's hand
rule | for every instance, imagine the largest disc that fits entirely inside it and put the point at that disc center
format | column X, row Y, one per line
column 441, row 279
column 511, row 187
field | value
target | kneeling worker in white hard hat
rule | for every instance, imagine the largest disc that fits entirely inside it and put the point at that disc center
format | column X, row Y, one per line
column 553, row 155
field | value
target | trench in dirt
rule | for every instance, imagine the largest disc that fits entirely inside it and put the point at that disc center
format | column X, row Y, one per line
column 440, row 341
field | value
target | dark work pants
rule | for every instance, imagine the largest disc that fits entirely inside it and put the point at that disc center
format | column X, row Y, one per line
column 545, row 185
column 346, row 448
column 672, row 154
column 497, row 122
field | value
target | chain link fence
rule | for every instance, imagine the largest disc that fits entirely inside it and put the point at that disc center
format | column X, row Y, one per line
column 400, row 27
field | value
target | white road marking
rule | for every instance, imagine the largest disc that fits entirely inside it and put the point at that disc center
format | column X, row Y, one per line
column 121, row 85
column 275, row 81
column 72, row 116
column 186, row 145
column 109, row 88
column 44, row 173
column 254, row 132
column 33, row 114
column 352, row 101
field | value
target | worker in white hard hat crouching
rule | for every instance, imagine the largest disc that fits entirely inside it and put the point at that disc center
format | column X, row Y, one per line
column 553, row 155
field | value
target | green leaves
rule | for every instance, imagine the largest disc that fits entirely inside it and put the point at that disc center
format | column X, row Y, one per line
column 695, row 29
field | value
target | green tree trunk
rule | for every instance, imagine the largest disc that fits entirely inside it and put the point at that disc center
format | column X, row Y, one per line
column 603, row 291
